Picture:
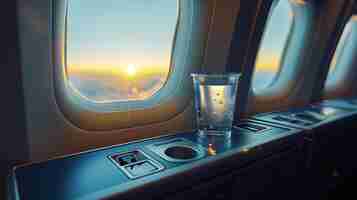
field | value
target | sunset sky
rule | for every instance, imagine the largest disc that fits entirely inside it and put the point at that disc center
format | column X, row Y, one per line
column 113, row 34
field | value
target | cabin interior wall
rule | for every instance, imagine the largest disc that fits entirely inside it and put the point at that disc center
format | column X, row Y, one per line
column 221, row 32
column 245, row 43
column 13, row 145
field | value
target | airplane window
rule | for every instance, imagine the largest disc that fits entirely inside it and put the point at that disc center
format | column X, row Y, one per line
column 342, row 50
column 119, row 50
column 273, row 43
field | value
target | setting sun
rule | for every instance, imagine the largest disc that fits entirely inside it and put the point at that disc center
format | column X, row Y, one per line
column 131, row 70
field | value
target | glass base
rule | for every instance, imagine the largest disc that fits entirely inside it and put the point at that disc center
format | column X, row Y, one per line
column 226, row 134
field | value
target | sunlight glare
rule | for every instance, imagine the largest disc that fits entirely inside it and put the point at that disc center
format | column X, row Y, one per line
column 131, row 70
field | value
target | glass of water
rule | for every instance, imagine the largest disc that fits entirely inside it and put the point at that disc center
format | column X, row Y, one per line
column 215, row 97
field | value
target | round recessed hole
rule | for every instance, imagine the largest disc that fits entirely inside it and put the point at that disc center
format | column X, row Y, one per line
column 181, row 152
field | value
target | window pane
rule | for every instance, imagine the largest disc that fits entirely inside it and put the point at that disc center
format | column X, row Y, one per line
column 273, row 44
column 119, row 50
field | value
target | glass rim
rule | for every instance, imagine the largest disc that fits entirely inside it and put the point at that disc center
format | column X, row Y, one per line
column 236, row 75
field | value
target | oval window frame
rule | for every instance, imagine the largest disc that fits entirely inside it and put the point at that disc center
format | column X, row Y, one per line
column 171, row 100
column 339, row 83
column 291, row 69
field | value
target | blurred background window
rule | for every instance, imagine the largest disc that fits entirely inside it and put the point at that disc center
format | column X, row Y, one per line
column 342, row 49
column 272, row 47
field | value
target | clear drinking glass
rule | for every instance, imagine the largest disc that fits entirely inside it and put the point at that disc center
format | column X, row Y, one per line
column 215, row 97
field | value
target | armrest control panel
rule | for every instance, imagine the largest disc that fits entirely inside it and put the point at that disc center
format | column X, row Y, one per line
column 136, row 164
